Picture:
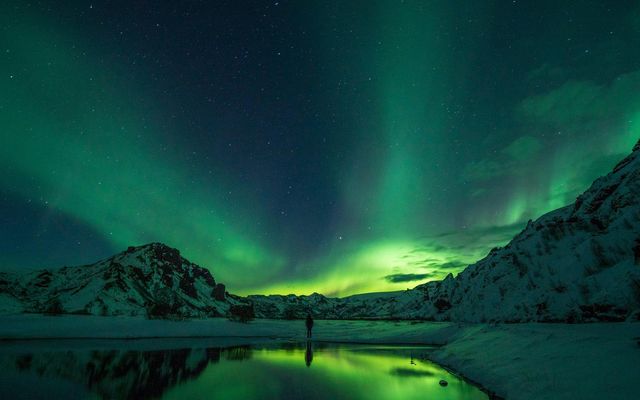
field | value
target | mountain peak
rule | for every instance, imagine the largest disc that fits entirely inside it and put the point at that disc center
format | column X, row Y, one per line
column 160, row 252
column 152, row 279
column 153, row 246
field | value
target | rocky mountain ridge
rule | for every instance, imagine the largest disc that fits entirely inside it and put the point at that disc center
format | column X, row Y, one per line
column 152, row 280
column 580, row 263
column 577, row 263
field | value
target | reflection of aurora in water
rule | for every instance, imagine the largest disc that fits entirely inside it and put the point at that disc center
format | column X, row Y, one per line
column 282, row 372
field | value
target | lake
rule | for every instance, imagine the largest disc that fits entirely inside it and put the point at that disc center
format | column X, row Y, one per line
column 169, row 370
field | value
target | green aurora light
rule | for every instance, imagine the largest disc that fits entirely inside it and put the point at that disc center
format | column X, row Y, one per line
column 438, row 159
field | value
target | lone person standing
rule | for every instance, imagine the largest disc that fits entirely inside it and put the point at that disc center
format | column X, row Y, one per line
column 309, row 323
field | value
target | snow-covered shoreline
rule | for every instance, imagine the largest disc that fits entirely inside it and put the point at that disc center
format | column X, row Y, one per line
column 515, row 361
column 548, row 361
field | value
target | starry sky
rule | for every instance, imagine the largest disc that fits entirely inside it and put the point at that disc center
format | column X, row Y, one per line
column 298, row 146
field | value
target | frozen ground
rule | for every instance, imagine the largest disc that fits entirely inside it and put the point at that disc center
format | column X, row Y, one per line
column 516, row 361
column 549, row 361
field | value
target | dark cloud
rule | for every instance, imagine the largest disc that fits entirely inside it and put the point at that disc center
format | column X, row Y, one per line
column 456, row 265
column 473, row 240
column 397, row 278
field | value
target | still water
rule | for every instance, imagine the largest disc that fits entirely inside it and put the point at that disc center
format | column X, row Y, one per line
column 271, row 371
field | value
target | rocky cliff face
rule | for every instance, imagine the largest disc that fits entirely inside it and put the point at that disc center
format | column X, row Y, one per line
column 152, row 280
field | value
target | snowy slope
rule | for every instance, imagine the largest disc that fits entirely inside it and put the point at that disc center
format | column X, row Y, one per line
column 381, row 305
column 579, row 263
column 151, row 280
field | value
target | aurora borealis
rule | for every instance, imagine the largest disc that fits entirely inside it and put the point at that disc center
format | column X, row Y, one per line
column 291, row 147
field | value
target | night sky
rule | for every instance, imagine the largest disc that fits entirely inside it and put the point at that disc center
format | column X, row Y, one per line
column 292, row 147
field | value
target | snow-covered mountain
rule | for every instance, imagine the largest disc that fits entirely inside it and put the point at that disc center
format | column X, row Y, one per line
column 362, row 306
column 578, row 263
column 152, row 280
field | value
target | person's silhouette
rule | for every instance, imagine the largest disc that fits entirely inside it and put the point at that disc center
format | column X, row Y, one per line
column 309, row 323
column 308, row 356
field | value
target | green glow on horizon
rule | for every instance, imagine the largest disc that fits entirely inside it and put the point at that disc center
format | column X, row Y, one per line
column 364, row 268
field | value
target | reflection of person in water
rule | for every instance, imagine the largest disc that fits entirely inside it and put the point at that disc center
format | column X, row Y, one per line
column 309, row 323
column 308, row 356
